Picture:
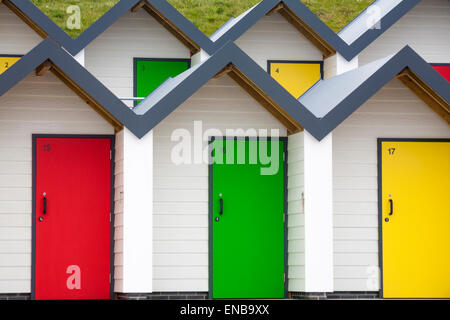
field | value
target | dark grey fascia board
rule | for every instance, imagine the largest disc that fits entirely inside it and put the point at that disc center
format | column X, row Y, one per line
column 405, row 58
column 48, row 49
column 74, row 46
column 303, row 12
column 317, row 127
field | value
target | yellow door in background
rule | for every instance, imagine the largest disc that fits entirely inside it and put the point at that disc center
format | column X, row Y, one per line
column 6, row 62
column 295, row 77
column 415, row 218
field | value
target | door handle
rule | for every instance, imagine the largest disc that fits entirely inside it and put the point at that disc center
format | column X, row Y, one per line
column 391, row 205
column 45, row 203
column 221, row 206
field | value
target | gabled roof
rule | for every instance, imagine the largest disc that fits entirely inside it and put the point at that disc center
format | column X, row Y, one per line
column 349, row 42
column 321, row 109
column 48, row 54
column 161, row 10
column 335, row 99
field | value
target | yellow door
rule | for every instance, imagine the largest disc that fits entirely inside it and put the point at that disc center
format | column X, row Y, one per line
column 296, row 77
column 415, row 219
column 6, row 62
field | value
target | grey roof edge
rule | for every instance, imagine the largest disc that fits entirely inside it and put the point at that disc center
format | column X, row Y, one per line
column 48, row 49
column 318, row 127
column 230, row 53
column 405, row 58
column 387, row 21
column 75, row 45
column 358, row 24
column 303, row 12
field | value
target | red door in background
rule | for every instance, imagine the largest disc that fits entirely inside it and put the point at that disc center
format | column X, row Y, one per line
column 72, row 218
column 443, row 69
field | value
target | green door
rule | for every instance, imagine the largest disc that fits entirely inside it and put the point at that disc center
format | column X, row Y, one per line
column 247, row 219
column 151, row 73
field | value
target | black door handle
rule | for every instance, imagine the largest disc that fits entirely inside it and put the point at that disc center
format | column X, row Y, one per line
column 391, row 203
column 221, row 206
column 45, row 204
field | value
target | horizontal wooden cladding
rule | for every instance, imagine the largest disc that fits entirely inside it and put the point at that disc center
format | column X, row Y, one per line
column 262, row 98
column 425, row 93
column 166, row 23
column 326, row 49
column 81, row 93
column 24, row 18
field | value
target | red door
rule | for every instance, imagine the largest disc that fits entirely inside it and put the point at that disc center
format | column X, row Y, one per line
column 72, row 220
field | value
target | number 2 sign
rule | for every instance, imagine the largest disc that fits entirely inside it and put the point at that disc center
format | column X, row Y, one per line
column 7, row 61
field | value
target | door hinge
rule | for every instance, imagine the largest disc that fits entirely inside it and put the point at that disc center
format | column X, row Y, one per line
column 284, row 156
column 284, row 275
column 110, row 278
column 110, row 215
column 284, row 217
column 110, row 154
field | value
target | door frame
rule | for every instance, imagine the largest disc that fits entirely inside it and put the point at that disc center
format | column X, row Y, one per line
column 380, row 194
column 135, row 61
column 210, row 213
column 33, row 212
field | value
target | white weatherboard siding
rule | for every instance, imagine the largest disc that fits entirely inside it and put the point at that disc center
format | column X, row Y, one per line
column 337, row 64
column 16, row 37
column 394, row 112
column 135, row 35
column 296, row 216
column 426, row 28
column 273, row 38
column 180, row 220
column 118, row 211
column 35, row 105
column 199, row 57
column 80, row 57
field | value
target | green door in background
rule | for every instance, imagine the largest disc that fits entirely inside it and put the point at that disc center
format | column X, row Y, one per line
column 151, row 73
column 247, row 229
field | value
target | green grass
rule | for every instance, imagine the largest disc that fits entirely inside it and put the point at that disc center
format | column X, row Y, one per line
column 91, row 10
column 207, row 15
